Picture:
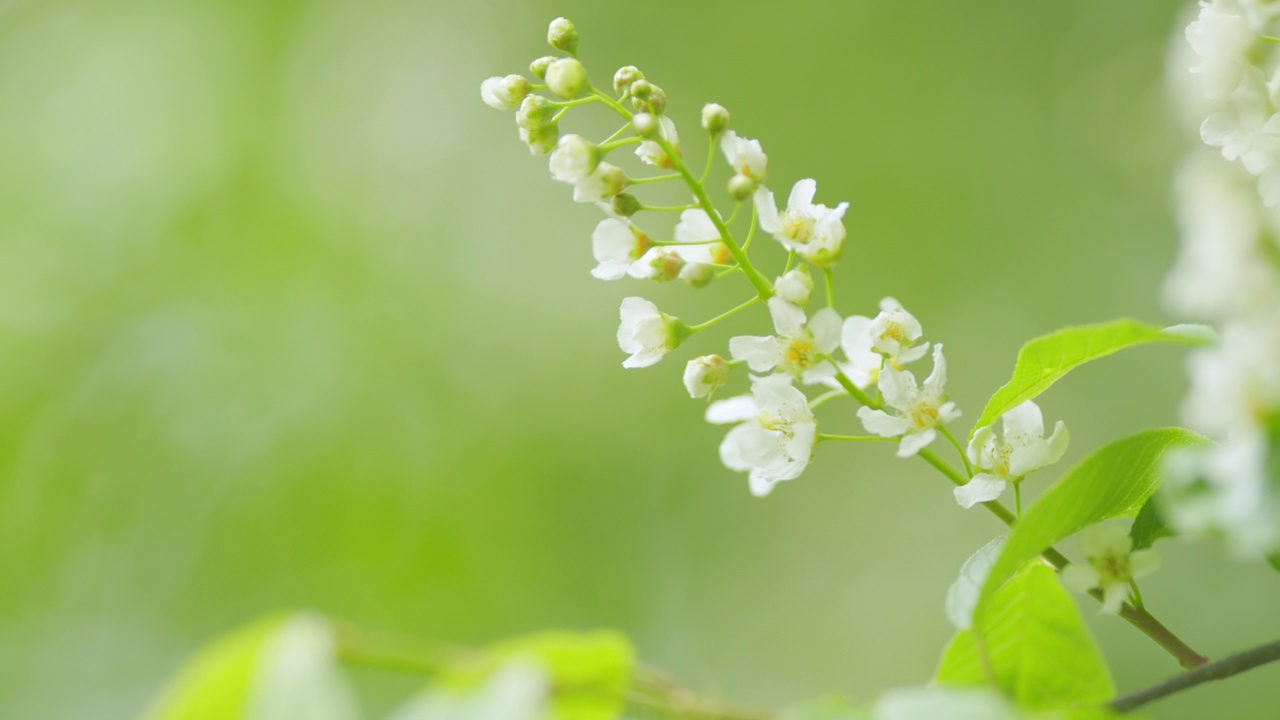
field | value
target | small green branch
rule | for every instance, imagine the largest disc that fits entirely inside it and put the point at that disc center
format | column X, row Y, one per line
column 731, row 313
column 826, row 397
column 653, row 179
column 831, row 287
column 855, row 438
column 677, row 208
column 964, row 457
column 1222, row 669
column 606, row 147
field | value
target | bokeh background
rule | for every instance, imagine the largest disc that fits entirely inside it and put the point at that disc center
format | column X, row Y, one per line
column 289, row 318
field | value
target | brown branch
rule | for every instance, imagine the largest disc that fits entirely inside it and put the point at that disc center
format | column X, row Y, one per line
column 1228, row 666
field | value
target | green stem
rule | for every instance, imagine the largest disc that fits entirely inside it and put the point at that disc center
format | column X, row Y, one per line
column 615, row 144
column 574, row 103
column 826, row 397
column 616, row 134
column 711, row 155
column 855, row 438
column 752, row 232
column 1138, row 602
column 718, row 318
column 1017, row 498
column 653, row 179
column 676, row 208
column 831, row 288
column 964, row 457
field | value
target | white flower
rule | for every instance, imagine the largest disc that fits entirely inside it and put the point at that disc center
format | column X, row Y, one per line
column 603, row 183
column 616, row 245
column 647, row 333
column 704, row 374
column 651, row 153
column 574, row 159
column 1222, row 38
column 1021, row 450
column 799, row 347
column 894, row 333
column 659, row 263
column 815, row 232
column 746, row 156
column 919, row 409
column 796, row 287
column 1245, row 129
column 862, row 363
column 695, row 226
column 504, row 93
column 776, row 437
column 1112, row 564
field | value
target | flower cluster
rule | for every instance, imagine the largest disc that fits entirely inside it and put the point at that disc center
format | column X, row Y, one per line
column 1228, row 272
column 775, row 428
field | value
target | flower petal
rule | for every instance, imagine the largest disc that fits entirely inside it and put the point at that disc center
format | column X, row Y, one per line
column 915, row 442
column 982, row 488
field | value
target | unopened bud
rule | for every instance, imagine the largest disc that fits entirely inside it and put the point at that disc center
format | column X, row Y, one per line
column 796, row 287
column 541, row 140
column 625, row 204
column 567, row 78
column 641, row 89
column 714, row 118
column 562, row 35
column 504, row 93
column 645, row 125
column 665, row 265
column 539, row 67
column 704, row 374
column 658, row 100
column 535, row 112
column 624, row 77
column 698, row 275
column 741, row 187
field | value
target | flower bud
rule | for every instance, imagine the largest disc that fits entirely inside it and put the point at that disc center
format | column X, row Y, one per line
column 624, row 77
column 625, row 205
column 541, row 140
column 574, row 158
column 664, row 264
column 741, row 187
column 703, row 375
column 539, row 67
column 562, row 35
column 641, row 89
column 644, row 124
column 714, row 118
column 535, row 112
column 567, row 78
column 658, row 101
column 602, row 184
column 796, row 287
column 504, row 93
column 698, row 275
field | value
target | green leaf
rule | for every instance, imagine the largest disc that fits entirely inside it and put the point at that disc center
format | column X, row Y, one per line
column 1113, row 482
column 1149, row 526
column 941, row 703
column 590, row 672
column 1274, row 560
column 1042, row 361
column 278, row 668
column 1039, row 649
column 962, row 596
column 516, row 691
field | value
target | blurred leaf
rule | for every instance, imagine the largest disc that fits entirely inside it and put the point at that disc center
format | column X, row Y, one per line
column 962, row 596
column 1113, row 482
column 1038, row 647
column 589, row 671
column 1149, row 526
column 278, row 668
column 1044, row 360
column 1274, row 560
column 517, row 691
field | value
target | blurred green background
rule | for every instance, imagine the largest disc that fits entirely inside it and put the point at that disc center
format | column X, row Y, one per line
column 289, row 318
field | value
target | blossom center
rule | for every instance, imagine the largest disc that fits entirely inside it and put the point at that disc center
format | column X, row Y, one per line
column 799, row 355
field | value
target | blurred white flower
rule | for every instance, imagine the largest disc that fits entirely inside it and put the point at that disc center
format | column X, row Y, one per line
column 601, row 184
column 574, row 159
column 704, row 374
column 776, row 436
column 1222, row 38
column 1111, row 564
column 799, row 347
column 919, row 409
column 646, row 332
column 1020, row 450
column 616, row 245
